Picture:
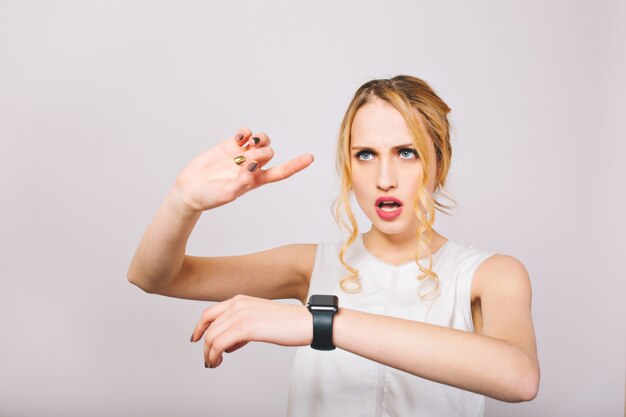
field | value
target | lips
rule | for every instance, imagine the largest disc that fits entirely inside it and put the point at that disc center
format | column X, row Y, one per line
column 388, row 208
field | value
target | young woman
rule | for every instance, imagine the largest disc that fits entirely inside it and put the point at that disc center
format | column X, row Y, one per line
column 426, row 326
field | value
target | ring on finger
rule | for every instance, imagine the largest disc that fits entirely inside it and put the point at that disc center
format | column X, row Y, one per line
column 239, row 160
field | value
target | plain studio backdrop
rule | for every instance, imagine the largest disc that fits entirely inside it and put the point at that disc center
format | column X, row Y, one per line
column 102, row 103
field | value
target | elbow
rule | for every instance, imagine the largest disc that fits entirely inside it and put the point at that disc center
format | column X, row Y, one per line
column 132, row 278
column 528, row 386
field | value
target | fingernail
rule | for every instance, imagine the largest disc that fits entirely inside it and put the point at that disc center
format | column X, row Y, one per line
column 206, row 365
column 252, row 166
column 256, row 140
column 219, row 362
column 191, row 338
column 239, row 136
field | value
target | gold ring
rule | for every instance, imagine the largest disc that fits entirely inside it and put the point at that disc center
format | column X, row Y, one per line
column 239, row 160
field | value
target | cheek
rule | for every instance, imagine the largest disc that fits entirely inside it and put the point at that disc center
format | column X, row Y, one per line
column 411, row 176
column 360, row 187
column 357, row 189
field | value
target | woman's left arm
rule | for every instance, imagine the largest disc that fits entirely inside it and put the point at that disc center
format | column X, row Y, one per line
column 501, row 362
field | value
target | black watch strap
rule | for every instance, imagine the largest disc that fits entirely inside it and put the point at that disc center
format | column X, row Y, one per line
column 323, row 330
column 323, row 308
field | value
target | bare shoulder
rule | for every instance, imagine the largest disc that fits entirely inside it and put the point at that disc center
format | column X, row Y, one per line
column 502, row 273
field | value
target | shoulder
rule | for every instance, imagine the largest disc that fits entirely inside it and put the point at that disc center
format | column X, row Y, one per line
column 503, row 275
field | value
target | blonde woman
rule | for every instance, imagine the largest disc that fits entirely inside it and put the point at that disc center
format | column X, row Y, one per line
column 425, row 325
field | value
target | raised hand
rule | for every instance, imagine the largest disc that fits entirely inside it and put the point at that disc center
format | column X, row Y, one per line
column 213, row 178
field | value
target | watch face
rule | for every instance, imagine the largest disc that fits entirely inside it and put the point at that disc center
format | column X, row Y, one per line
column 324, row 301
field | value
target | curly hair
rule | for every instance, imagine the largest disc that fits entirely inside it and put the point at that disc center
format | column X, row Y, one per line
column 418, row 104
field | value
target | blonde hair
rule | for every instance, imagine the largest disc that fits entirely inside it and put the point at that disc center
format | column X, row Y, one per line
column 418, row 104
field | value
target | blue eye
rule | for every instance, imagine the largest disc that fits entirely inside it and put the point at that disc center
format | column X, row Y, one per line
column 363, row 155
column 407, row 153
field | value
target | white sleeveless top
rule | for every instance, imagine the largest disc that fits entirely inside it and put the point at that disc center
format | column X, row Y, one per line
column 341, row 384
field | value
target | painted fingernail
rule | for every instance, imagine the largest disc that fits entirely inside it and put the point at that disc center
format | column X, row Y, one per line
column 191, row 338
column 219, row 362
column 239, row 136
column 206, row 365
column 256, row 140
column 252, row 166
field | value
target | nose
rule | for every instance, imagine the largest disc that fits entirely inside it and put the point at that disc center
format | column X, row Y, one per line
column 387, row 177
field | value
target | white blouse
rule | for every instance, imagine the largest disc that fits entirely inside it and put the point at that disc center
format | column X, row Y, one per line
column 341, row 384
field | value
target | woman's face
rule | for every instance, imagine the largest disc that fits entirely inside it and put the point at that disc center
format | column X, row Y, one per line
column 386, row 171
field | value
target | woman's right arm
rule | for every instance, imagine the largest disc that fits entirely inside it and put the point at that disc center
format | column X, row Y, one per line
column 213, row 179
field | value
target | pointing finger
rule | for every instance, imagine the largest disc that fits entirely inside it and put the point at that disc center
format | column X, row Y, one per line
column 288, row 169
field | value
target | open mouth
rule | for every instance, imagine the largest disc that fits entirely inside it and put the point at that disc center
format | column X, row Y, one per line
column 388, row 203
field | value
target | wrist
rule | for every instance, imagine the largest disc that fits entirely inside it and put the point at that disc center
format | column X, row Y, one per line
column 175, row 200
column 323, row 309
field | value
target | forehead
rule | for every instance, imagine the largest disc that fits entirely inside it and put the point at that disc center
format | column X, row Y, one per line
column 378, row 124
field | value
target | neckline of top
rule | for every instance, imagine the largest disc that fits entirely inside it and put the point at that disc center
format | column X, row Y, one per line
column 377, row 259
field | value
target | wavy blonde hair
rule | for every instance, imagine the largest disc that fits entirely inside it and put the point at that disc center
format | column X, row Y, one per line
column 418, row 104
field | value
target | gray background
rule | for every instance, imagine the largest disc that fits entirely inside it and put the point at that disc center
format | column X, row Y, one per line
column 103, row 102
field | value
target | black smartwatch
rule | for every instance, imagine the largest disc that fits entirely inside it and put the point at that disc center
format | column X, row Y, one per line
column 323, row 308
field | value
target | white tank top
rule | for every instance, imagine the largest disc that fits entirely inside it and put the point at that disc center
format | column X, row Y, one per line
column 341, row 384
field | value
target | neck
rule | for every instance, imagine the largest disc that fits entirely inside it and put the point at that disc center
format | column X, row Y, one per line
column 401, row 247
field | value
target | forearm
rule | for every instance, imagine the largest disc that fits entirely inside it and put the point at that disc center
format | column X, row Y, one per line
column 161, row 252
column 472, row 362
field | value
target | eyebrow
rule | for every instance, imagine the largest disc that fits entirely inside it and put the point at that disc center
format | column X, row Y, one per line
column 367, row 148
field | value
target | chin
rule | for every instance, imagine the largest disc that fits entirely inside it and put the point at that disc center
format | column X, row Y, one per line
column 396, row 227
